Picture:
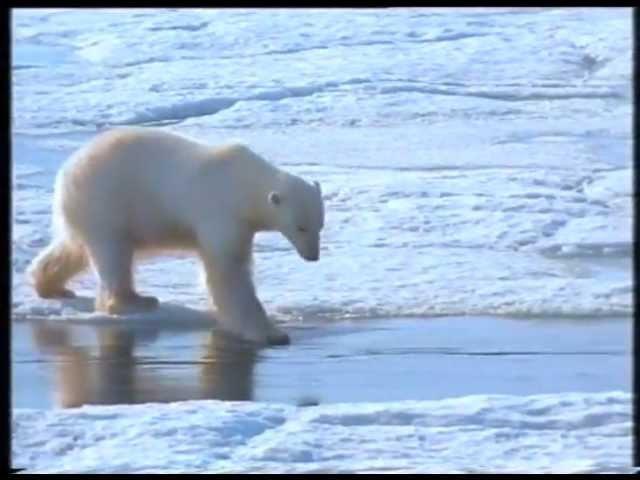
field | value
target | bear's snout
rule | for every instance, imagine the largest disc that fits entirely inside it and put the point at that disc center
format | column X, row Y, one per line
column 312, row 252
column 307, row 247
column 314, row 257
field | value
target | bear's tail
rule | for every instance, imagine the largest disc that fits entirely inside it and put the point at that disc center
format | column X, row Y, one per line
column 54, row 267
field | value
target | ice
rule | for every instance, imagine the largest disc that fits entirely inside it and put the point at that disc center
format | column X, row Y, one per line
column 568, row 433
column 522, row 218
column 217, row 54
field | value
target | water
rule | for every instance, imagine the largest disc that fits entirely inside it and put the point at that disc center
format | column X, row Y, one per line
column 380, row 361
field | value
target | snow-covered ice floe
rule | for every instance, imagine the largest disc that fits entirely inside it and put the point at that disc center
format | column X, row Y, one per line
column 569, row 432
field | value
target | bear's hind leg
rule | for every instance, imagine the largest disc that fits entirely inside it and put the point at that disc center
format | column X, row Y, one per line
column 113, row 263
column 55, row 266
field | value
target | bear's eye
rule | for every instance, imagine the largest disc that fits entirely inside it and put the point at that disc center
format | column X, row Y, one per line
column 302, row 229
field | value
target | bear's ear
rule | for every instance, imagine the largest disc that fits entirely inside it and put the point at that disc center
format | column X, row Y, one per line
column 274, row 198
column 317, row 184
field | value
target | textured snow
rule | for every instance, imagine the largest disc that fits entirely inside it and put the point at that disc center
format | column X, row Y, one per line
column 566, row 433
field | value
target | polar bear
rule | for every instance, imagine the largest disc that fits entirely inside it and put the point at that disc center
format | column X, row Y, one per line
column 134, row 190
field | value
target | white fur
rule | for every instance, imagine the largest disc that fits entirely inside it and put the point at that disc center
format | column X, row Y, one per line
column 143, row 190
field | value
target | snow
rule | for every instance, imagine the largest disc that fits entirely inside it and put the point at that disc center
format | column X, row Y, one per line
column 568, row 433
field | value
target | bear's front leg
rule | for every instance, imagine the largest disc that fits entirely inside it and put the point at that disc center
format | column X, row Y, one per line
column 231, row 287
column 239, row 310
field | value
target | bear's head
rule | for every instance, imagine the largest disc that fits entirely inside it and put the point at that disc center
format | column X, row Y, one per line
column 298, row 213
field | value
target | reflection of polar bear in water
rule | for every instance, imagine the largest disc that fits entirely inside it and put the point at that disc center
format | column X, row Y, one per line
column 114, row 374
column 135, row 189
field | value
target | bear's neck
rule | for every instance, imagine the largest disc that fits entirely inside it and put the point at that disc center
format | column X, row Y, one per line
column 260, row 212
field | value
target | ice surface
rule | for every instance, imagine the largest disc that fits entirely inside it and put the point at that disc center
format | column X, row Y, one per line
column 572, row 432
